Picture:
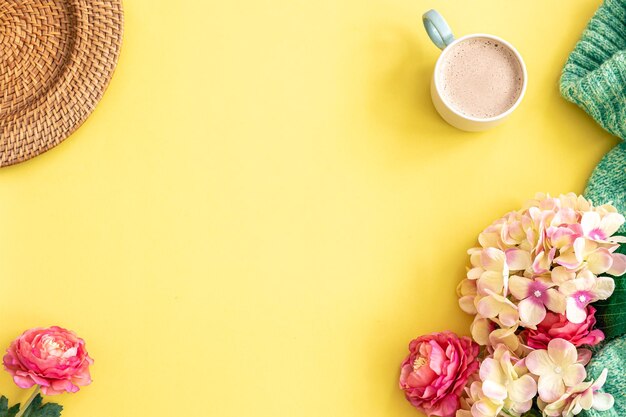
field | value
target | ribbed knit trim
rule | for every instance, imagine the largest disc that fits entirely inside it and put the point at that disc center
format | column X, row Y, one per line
column 594, row 76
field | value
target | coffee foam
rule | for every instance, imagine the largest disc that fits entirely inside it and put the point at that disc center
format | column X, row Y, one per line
column 480, row 77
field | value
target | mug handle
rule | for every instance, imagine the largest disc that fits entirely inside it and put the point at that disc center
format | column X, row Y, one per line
column 438, row 29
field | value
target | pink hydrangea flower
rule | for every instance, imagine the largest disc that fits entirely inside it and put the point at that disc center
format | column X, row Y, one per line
column 506, row 385
column 547, row 257
column 600, row 228
column 436, row 370
column 53, row 358
column 467, row 292
column 584, row 396
column 494, row 305
column 557, row 368
column 536, row 295
column 586, row 288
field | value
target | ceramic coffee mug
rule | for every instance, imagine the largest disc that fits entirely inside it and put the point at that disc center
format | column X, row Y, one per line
column 475, row 85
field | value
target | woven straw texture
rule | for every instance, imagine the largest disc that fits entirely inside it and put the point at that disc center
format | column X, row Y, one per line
column 56, row 59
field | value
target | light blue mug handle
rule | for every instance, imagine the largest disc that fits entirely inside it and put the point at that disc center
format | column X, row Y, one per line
column 437, row 28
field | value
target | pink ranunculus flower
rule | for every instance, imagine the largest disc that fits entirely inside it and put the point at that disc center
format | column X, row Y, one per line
column 436, row 370
column 557, row 326
column 53, row 358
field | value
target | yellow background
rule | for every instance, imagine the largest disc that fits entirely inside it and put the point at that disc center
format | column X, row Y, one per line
column 265, row 208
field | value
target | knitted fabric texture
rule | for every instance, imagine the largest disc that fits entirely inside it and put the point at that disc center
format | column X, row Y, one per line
column 594, row 78
column 607, row 183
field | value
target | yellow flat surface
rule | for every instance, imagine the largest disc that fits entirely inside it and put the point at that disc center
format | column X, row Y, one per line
column 265, row 208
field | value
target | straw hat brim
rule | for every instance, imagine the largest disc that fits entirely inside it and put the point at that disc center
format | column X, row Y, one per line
column 56, row 60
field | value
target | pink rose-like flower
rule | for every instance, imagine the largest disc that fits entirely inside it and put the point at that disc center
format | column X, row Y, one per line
column 53, row 358
column 556, row 326
column 436, row 370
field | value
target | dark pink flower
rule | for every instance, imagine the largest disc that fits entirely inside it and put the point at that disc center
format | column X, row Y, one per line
column 556, row 326
column 53, row 358
column 436, row 370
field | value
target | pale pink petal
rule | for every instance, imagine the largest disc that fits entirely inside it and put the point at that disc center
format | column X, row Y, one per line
column 490, row 370
column 474, row 273
column 485, row 408
column 521, row 407
column 531, row 312
column 488, row 307
column 574, row 374
column 541, row 263
column 550, row 387
column 522, row 389
column 562, row 352
column 509, row 316
column 570, row 287
column 494, row 391
column 493, row 259
column 581, row 401
column 488, row 240
column 573, row 258
column 466, row 287
column 517, row 259
column 602, row 401
column 585, row 278
column 492, row 281
column 568, row 260
column 590, row 221
column 599, row 261
column 561, row 274
column 579, row 247
column 505, row 336
column 539, row 363
column 518, row 286
column 611, row 222
column 618, row 268
column 467, row 304
column 604, row 288
column 575, row 313
column 555, row 301
column 562, row 237
column 475, row 255
column 480, row 330
column 599, row 382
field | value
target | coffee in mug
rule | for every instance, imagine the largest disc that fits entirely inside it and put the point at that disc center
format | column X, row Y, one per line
column 478, row 79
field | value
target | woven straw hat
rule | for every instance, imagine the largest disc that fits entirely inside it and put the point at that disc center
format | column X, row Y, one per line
column 56, row 59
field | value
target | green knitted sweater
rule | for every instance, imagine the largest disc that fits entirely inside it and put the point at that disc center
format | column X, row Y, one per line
column 594, row 78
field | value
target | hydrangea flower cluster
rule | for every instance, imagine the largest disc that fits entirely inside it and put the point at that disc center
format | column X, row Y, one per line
column 530, row 288
column 548, row 257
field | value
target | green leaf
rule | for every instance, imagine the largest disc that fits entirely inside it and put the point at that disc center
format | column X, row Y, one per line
column 5, row 411
column 37, row 409
column 611, row 313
